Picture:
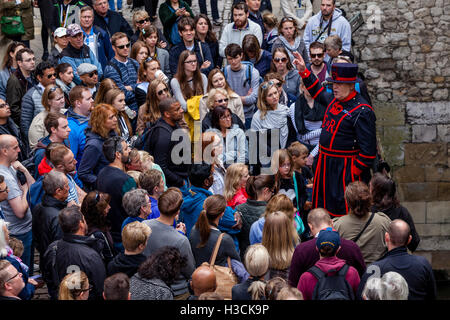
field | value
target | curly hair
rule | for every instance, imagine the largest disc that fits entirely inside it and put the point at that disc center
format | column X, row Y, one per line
column 93, row 209
column 165, row 264
column 98, row 118
column 358, row 198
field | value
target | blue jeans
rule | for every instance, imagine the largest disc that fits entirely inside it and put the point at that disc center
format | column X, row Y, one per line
column 28, row 250
column 113, row 7
column 248, row 123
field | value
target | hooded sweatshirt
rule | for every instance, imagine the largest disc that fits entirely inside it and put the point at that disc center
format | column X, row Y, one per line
column 77, row 135
column 125, row 263
column 339, row 26
column 308, row 281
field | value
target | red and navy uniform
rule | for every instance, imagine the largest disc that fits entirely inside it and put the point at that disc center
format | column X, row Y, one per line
column 348, row 145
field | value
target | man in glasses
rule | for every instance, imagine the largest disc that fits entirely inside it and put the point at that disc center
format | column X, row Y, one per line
column 95, row 37
column 77, row 52
column 32, row 101
column 123, row 70
column 318, row 66
column 89, row 77
column 327, row 22
column 20, row 81
column 11, row 282
column 108, row 20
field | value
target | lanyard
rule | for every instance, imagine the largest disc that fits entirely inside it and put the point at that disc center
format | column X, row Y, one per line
column 67, row 14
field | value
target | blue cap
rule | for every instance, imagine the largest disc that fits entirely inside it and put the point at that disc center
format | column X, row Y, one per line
column 328, row 237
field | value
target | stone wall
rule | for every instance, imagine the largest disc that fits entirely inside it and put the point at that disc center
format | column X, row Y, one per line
column 403, row 50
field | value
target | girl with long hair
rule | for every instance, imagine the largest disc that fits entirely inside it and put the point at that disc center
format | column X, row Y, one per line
column 106, row 85
column 147, row 73
column 204, row 32
column 290, row 38
column 64, row 79
column 260, row 58
column 216, row 80
column 188, row 81
column 150, row 35
column 9, row 65
column 235, row 182
column 116, row 98
column 139, row 51
column 53, row 101
column 205, row 233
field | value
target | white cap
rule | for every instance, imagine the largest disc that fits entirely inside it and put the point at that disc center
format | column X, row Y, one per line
column 60, row 32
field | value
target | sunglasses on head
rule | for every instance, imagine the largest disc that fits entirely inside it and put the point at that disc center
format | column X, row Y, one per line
column 287, row 19
column 269, row 83
column 91, row 74
column 316, row 55
column 123, row 46
column 160, row 92
column 280, row 59
column 143, row 20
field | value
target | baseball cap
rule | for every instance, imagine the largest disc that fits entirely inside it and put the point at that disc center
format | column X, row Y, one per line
column 60, row 32
column 73, row 30
column 328, row 237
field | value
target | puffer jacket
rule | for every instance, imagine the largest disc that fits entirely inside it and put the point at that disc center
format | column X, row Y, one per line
column 31, row 107
column 75, row 57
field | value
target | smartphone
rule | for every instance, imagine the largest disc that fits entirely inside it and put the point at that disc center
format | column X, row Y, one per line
column 37, row 277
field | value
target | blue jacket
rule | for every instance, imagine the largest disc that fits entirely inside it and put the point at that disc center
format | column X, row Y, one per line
column 77, row 136
column 75, row 57
column 92, row 160
column 202, row 55
column 105, row 51
column 263, row 65
column 193, row 205
column 256, row 231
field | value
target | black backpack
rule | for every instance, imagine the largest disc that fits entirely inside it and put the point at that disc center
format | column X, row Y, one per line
column 331, row 287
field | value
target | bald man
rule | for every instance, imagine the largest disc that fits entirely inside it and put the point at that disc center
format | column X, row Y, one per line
column 203, row 280
column 15, row 209
column 306, row 254
column 415, row 269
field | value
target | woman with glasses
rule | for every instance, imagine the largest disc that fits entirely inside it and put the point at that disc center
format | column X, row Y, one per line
column 116, row 98
column 188, row 81
column 95, row 208
column 64, row 79
column 216, row 80
column 147, row 73
column 69, row 291
column 149, row 112
column 233, row 141
column 141, row 20
column 102, row 125
column 152, row 38
column 53, row 101
column 271, row 115
column 219, row 98
column 283, row 66
column 290, row 38
column 260, row 58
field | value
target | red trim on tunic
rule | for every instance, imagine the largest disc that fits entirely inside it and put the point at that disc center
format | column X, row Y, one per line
column 317, row 93
column 315, row 82
column 343, row 181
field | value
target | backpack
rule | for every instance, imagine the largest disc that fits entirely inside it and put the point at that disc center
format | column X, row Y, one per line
column 248, row 73
column 116, row 67
column 331, row 287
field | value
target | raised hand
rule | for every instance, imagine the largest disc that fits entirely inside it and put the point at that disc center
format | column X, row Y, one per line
column 299, row 62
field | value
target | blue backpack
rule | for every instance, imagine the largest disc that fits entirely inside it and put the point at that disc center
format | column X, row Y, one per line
column 248, row 73
column 36, row 192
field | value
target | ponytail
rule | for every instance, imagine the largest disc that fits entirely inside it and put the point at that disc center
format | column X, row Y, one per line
column 202, row 226
column 250, row 188
column 257, row 289
column 213, row 206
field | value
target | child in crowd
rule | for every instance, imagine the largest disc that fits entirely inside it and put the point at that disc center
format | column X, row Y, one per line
column 235, row 181
column 17, row 246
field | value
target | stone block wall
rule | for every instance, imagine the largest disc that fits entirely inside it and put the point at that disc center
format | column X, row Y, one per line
column 403, row 50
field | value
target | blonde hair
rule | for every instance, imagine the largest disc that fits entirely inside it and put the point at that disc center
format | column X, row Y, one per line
column 72, row 285
column 134, row 234
column 279, row 239
column 281, row 202
column 262, row 95
column 212, row 96
column 257, row 263
column 297, row 149
column 234, row 174
column 289, row 293
column 17, row 246
column 146, row 160
column 135, row 175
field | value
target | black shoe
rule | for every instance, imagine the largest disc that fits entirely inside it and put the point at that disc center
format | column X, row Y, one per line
column 45, row 56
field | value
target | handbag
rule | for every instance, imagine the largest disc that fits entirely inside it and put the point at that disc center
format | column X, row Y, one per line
column 12, row 26
column 225, row 277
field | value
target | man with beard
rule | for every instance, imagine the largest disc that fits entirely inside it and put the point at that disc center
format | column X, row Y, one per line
column 316, row 55
column 114, row 181
column 236, row 31
column 327, row 22
column 348, row 142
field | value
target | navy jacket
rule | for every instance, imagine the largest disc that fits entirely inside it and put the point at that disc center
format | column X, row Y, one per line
column 116, row 23
column 415, row 269
column 176, row 50
column 105, row 51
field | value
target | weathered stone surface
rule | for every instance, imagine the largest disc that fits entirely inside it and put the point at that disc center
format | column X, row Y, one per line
column 418, row 191
column 437, row 173
column 401, row 53
column 390, row 114
column 428, row 229
column 409, row 174
column 443, row 190
column 426, row 154
column 440, row 94
column 423, row 133
column 438, row 212
column 428, row 113
column 417, row 210
column 443, row 132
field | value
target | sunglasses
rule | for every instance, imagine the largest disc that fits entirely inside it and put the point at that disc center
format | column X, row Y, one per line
column 4, row 105
column 51, row 75
column 123, row 46
column 316, row 55
column 280, row 59
column 91, row 74
column 143, row 20
column 160, row 92
column 222, row 100
column 287, row 19
column 268, row 84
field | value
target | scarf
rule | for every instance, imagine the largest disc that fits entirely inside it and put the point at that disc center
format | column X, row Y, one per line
column 290, row 48
column 276, row 119
column 304, row 112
